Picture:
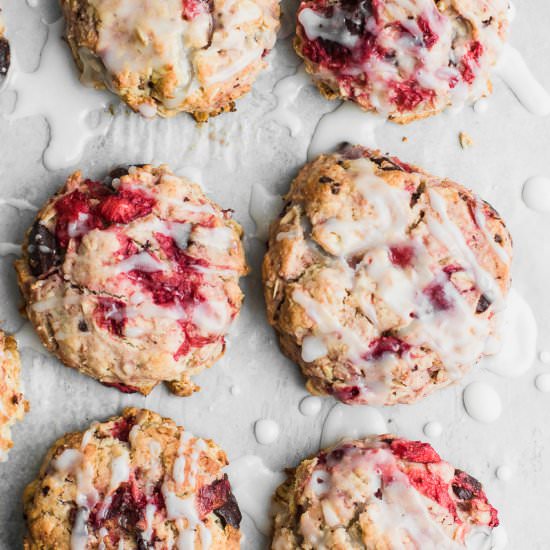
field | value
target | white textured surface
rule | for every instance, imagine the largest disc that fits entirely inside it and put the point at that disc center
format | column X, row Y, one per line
column 234, row 152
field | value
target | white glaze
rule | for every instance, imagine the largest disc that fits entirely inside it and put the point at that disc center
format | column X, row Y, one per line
column 8, row 249
column 513, row 70
column 482, row 402
column 54, row 92
column 504, row 472
column 266, row 431
column 481, row 106
column 254, row 484
column 286, row 91
column 542, row 382
column 433, row 429
column 347, row 123
column 310, row 405
column 544, row 357
column 517, row 339
column 536, row 193
column 354, row 422
column 264, row 206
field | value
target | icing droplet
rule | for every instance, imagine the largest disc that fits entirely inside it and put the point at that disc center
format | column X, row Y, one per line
column 351, row 421
column 264, row 206
column 347, row 123
column 433, row 429
column 536, row 194
column 517, row 340
column 513, row 70
column 266, row 431
column 481, row 106
column 253, row 484
column 544, row 357
column 235, row 390
column 310, row 406
column 542, row 382
column 55, row 92
column 482, row 402
column 286, row 92
column 504, row 473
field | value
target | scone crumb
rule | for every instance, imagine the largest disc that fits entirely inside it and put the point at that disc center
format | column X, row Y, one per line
column 465, row 140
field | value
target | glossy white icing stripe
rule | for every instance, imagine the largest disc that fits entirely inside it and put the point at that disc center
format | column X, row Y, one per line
column 184, row 509
column 513, row 70
column 333, row 28
column 450, row 235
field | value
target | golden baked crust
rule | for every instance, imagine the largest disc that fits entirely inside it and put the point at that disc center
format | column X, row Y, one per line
column 134, row 481
column 379, row 493
column 168, row 56
column 13, row 405
column 134, row 282
column 383, row 282
column 405, row 60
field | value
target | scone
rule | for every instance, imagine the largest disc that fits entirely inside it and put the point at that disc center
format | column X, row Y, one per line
column 167, row 56
column 133, row 280
column 136, row 481
column 5, row 52
column 383, row 282
column 12, row 403
column 405, row 59
column 380, row 493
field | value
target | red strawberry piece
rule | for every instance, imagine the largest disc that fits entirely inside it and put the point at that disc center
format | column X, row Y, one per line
column 438, row 297
column 414, row 451
column 386, row 344
column 125, row 206
column 401, row 255
column 110, row 315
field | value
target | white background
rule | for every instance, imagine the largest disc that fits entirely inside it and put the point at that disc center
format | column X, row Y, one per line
column 236, row 151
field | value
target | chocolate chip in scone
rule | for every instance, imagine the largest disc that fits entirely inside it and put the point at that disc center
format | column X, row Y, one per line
column 5, row 56
column 483, row 304
column 44, row 250
column 230, row 513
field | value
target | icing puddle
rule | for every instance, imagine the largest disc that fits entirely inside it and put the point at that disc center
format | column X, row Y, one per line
column 54, row 92
column 346, row 124
column 253, row 484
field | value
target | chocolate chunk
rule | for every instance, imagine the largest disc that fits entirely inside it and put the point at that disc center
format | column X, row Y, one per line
column 483, row 304
column 229, row 513
column 44, row 250
column 5, row 56
column 417, row 194
column 82, row 326
column 462, row 492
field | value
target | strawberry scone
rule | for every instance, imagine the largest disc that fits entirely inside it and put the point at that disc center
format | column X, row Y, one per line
column 166, row 56
column 405, row 59
column 136, row 481
column 12, row 403
column 133, row 280
column 380, row 493
column 382, row 281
